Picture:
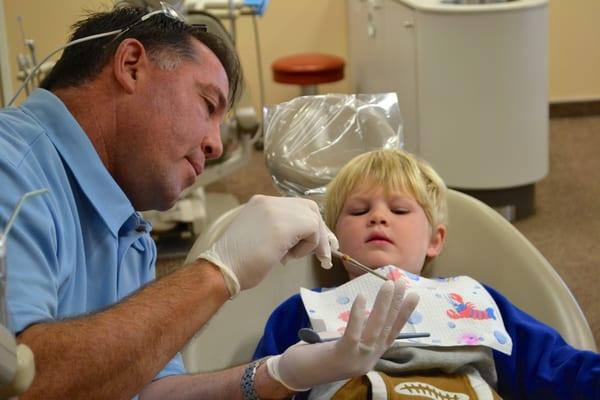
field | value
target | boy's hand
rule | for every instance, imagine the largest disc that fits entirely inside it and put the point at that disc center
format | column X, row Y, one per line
column 303, row 366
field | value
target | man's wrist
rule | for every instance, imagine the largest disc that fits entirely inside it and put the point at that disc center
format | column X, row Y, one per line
column 230, row 280
column 267, row 387
column 218, row 284
column 248, row 381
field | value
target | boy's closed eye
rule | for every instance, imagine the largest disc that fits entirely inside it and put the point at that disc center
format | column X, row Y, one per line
column 363, row 211
column 358, row 211
column 356, row 206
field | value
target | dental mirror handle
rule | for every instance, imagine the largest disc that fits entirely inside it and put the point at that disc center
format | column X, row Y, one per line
column 311, row 336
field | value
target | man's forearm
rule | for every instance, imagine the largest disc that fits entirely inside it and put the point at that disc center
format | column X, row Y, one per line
column 214, row 385
column 116, row 352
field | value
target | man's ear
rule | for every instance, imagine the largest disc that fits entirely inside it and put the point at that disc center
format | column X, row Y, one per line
column 437, row 242
column 129, row 60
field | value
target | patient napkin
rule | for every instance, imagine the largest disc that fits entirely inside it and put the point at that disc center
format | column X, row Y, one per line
column 456, row 311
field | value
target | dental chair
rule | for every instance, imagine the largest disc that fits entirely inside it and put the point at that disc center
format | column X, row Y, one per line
column 480, row 243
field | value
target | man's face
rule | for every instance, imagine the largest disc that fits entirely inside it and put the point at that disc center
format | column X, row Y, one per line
column 379, row 229
column 173, row 130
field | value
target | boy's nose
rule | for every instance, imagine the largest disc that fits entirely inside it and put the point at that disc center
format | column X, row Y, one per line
column 378, row 220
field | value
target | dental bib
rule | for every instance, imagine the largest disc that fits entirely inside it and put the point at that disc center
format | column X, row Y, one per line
column 456, row 311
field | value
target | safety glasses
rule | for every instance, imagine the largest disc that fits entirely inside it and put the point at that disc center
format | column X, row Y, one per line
column 166, row 10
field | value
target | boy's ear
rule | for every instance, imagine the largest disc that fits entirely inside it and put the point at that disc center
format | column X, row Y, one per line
column 437, row 242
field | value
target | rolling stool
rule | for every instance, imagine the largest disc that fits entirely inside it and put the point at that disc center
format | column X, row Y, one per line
column 308, row 70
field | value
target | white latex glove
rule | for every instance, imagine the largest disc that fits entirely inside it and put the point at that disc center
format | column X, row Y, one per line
column 304, row 366
column 266, row 232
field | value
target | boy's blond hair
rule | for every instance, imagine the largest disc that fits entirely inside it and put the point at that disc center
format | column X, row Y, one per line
column 392, row 169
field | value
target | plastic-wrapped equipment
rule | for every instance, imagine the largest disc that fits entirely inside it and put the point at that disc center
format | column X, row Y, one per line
column 308, row 139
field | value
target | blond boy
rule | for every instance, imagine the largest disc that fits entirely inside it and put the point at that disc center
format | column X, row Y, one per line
column 389, row 207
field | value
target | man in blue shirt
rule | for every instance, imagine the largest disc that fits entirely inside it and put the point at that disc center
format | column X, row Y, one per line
column 125, row 122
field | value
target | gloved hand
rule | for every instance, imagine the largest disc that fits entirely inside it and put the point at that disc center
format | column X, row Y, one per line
column 304, row 366
column 266, row 232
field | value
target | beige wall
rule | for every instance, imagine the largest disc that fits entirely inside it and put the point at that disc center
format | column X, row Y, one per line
column 288, row 26
column 574, row 40
column 292, row 26
column 46, row 22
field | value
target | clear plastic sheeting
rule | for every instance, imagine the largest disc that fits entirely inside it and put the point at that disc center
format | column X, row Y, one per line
column 308, row 139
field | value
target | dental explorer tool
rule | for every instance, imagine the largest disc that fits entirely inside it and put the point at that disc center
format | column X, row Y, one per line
column 364, row 268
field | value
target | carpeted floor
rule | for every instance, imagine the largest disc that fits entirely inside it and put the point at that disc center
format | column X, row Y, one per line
column 566, row 225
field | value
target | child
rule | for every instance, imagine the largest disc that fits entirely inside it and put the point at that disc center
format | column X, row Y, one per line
column 388, row 207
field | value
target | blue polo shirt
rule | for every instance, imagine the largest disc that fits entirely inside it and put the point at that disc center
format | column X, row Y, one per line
column 79, row 248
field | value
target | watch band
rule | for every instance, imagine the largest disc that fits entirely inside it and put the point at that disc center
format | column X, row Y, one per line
column 247, row 382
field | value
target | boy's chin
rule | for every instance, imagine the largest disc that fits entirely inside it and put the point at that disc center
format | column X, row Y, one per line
column 378, row 261
column 382, row 261
column 354, row 272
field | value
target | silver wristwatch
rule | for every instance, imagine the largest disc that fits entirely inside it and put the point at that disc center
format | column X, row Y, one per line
column 247, row 382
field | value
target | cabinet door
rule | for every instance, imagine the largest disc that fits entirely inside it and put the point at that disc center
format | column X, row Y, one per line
column 482, row 100
column 382, row 56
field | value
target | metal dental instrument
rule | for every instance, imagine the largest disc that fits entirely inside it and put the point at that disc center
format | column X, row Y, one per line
column 3, row 240
column 311, row 336
column 15, row 212
column 364, row 268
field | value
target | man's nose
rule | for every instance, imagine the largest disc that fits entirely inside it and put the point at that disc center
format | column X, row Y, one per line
column 212, row 146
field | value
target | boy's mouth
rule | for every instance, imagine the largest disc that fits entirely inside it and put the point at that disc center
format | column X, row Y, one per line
column 378, row 236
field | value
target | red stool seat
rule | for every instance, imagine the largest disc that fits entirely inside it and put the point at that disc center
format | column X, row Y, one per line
column 308, row 69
